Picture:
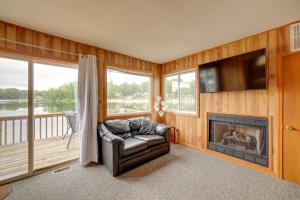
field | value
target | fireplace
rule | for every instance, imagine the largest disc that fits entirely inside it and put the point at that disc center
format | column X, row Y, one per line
column 243, row 137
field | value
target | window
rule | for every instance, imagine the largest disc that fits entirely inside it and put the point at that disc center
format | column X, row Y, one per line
column 180, row 92
column 128, row 93
column 187, row 93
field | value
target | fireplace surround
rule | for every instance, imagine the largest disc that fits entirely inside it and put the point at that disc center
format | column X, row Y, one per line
column 243, row 137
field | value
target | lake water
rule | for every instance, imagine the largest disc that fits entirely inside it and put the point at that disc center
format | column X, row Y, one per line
column 18, row 108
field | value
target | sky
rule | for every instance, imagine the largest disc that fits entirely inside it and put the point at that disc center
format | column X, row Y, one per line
column 118, row 77
column 14, row 74
column 46, row 76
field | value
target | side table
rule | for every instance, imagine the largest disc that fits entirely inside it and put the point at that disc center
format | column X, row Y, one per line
column 176, row 131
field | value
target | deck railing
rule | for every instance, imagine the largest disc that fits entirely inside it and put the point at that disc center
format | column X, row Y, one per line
column 13, row 129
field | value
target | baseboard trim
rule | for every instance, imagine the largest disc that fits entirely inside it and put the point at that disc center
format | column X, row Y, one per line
column 191, row 146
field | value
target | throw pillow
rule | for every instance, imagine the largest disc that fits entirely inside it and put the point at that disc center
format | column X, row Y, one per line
column 117, row 126
column 135, row 124
column 148, row 127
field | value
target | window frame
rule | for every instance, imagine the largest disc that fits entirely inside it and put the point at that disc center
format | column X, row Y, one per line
column 178, row 74
column 108, row 116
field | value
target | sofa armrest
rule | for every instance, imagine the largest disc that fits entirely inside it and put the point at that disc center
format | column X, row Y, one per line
column 108, row 136
column 163, row 131
column 110, row 145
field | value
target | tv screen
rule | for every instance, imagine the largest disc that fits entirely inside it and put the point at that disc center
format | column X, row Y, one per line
column 243, row 72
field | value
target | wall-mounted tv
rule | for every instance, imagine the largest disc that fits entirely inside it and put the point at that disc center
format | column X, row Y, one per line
column 244, row 72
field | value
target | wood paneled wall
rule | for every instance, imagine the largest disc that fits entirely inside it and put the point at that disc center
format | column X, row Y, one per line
column 193, row 129
column 105, row 57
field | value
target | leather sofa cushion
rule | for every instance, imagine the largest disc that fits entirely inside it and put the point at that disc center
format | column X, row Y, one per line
column 117, row 126
column 132, row 146
column 151, row 140
column 135, row 124
column 147, row 127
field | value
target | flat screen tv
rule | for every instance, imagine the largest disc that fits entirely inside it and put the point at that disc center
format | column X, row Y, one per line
column 238, row 73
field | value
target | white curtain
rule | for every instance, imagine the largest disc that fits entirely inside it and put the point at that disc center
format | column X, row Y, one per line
column 87, row 108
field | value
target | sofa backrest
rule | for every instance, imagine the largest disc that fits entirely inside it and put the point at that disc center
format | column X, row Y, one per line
column 136, row 126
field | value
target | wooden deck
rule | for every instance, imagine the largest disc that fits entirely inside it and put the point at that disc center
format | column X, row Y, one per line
column 47, row 152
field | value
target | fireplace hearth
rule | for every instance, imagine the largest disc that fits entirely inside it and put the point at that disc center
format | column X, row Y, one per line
column 242, row 137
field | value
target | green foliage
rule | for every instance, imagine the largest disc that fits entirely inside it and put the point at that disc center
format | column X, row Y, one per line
column 187, row 89
column 65, row 93
column 168, row 87
column 127, row 89
column 13, row 94
column 51, row 100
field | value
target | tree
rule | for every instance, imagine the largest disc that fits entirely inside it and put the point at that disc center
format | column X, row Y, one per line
column 12, row 94
column 65, row 93
column 126, row 89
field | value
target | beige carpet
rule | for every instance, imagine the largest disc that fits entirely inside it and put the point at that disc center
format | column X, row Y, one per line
column 182, row 174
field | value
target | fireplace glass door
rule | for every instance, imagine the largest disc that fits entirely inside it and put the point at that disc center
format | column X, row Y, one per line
column 243, row 137
column 240, row 137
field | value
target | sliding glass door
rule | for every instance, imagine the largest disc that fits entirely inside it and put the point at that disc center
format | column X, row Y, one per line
column 38, row 119
column 14, row 113
column 56, row 139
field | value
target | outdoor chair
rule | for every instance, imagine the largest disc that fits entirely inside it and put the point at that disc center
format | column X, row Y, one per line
column 72, row 125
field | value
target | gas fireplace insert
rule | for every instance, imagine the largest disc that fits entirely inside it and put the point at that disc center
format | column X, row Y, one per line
column 243, row 137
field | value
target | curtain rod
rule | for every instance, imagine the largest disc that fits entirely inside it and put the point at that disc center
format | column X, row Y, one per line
column 39, row 47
